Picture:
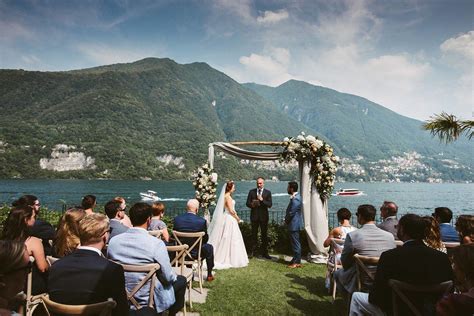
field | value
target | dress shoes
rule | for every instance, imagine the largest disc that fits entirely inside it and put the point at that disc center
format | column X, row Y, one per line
column 266, row 256
column 294, row 265
column 210, row 278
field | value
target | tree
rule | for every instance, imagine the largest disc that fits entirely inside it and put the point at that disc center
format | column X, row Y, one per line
column 448, row 127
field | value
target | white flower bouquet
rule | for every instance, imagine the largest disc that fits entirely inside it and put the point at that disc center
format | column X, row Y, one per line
column 205, row 184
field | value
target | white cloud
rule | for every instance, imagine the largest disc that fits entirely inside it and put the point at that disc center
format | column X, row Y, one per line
column 104, row 54
column 462, row 45
column 30, row 59
column 270, row 17
column 240, row 8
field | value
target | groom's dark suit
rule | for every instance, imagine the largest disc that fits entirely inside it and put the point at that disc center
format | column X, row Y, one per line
column 259, row 217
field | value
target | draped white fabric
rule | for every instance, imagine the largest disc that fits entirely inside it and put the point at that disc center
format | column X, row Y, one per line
column 315, row 212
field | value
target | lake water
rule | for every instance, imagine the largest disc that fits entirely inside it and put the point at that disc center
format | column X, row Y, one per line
column 420, row 198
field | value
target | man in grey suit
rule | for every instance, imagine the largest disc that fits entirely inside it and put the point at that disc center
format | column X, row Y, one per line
column 115, row 213
column 294, row 221
column 388, row 212
column 369, row 240
column 137, row 247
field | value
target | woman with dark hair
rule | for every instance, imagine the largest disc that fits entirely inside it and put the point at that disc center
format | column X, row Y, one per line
column 158, row 210
column 13, row 271
column 67, row 238
column 465, row 228
column 88, row 203
column 41, row 229
column 224, row 232
column 460, row 304
column 432, row 234
column 15, row 228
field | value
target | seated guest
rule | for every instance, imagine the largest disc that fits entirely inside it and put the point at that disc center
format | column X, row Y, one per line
column 414, row 263
column 13, row 272
column 460, row 304
column 444, row 215
column 465, row 228
column 41, row 229
column 388, row 212
column 190, row 222
column 158, row 210
column 115, row 213
column 432, row 235
column 88, row 203
column 369, row 240
column 67, row 237
column 85, row 276
column 345, row 227
column 137, row 247
column 15, row 228
column 125, row 220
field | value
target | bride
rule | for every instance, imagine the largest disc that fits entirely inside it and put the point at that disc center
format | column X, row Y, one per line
column 224, row 232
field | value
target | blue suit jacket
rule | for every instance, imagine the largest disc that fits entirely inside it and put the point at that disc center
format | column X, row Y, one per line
column 136, row 246
column 293, row 214
column 191, row 223
column 448, row 233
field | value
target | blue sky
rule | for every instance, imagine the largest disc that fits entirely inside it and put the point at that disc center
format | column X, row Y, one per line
column 414, row 57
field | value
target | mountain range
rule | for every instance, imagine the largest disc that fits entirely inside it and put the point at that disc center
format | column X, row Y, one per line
column 154, row 118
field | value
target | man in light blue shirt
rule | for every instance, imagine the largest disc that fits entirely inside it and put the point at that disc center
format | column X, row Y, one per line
column 444, row 215
column 137, row 247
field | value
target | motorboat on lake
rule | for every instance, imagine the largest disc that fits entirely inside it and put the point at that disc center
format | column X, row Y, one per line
column 348, row 192
column 149, row 196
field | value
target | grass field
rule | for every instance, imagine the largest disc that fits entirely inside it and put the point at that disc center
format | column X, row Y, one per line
column 269, row 288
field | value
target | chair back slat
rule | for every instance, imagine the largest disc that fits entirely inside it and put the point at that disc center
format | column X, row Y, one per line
column 365, row 276
column 102, row 308
column 179, row 236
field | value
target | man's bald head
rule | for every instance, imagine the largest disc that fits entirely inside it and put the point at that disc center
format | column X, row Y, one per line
column 192, row 205
column 388, row 208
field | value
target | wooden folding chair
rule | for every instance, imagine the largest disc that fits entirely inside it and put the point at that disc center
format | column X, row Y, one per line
column 432, row 293
column 180, row 268
column 150, row 270
column 332, row 264
column 196, row 262
column 366, row 268
column 155, row 233
column 100, row 309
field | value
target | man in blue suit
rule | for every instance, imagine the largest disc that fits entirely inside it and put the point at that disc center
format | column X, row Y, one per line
column 294, row 221
column 444, row 216
column 190, row 222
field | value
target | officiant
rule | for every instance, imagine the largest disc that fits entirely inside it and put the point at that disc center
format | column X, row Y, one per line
column 259, row 200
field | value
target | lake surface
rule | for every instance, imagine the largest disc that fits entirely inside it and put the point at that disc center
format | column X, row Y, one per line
column 420, row 198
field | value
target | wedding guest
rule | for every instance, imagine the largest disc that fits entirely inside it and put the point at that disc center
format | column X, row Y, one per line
column 67, row 237
column 444, row 215
column 158, row 210
column 388, row 212
column 136, row 246
column 15, row 228
column 345, row 227
column 13, row 272
column 85, row 276
column 460, row 304
column 125, row 220
column 89, row 203
column 465, row 228
column 115, row 213
column 294, row 222
column 432, row 235
column 41, row 229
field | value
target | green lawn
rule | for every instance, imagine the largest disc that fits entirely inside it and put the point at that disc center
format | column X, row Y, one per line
column 269, row 288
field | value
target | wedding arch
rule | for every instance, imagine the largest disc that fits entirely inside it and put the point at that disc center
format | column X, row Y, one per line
column 317, row 167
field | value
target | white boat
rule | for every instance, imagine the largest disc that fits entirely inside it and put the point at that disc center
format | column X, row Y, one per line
column 149, row 196
column 348, row 192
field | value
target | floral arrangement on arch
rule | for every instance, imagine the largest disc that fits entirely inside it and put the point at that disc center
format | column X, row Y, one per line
column 205, row 184
column 323, row 161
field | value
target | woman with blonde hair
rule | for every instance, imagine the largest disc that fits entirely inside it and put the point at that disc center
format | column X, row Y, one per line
column 15, row 228
column 13, row 272
column 67, row 237
column 123, row 205
column 158, row 210
column 433, row 234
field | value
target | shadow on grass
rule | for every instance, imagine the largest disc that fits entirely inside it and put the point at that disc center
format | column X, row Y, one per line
column 320, row 302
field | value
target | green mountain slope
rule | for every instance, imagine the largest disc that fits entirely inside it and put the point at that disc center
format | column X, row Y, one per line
column 124, row 116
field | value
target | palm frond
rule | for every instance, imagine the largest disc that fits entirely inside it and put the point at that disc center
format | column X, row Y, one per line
column 448, row 127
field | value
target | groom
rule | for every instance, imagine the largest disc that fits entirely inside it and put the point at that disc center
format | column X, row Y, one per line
column 294, row 221
column 259, row 200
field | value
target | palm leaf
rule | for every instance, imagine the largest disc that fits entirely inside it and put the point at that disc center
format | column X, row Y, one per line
column 448, row 128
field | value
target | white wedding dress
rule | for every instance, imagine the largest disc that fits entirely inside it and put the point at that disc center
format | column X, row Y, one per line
column 226, row 238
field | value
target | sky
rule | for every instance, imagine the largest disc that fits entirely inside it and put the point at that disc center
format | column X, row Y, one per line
column 415, row 57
